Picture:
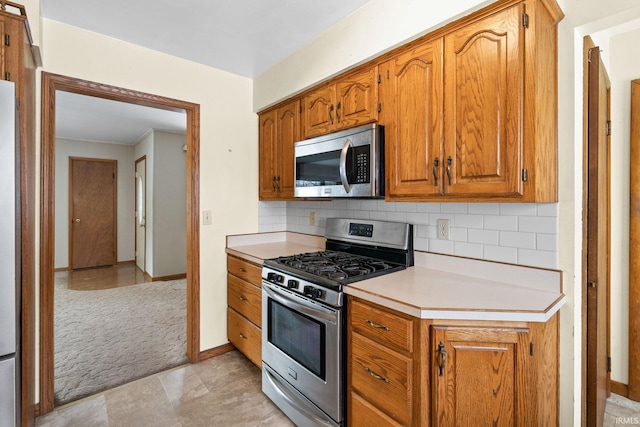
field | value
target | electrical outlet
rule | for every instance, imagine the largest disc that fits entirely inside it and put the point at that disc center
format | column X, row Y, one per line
column 443, row 229
column 206, row 217
column 312, row 218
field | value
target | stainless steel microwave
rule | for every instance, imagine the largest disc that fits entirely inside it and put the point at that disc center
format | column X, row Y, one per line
column 348, row 163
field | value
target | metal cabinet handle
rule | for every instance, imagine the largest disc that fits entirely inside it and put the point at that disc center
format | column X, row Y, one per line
column 77, row 220
column 243, row 270
column 338, row 112
column 375, row 325
column 242, row 336
column 376, row 376
column 331, row 113
column 436, row 162
column 442, row 359
column 278, row 182
column 273, row 182
column 242, row 298
column 449, row 160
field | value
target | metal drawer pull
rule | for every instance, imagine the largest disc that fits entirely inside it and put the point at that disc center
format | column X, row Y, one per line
column 242, row 298
column 375, row 325
column 242, row 336
column 376, row 376
column 243, row 270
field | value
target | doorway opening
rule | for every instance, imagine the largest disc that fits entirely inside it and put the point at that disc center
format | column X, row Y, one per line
column 50, row 84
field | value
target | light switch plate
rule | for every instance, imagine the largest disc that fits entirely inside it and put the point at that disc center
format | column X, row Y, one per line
column 206, row 217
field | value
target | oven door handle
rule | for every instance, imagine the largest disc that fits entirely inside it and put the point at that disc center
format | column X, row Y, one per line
column 315, row 311
column 343, row 165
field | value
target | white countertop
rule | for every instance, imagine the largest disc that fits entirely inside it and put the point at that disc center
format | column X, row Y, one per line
column 258, row 247
column 445, row 287
column 437, row 287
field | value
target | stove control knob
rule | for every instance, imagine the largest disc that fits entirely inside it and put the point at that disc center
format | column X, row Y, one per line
column 275, row 278
column 314, row 293
column 292, row 284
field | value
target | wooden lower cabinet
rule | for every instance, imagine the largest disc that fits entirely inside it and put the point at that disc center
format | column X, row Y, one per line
column 456, row 373
column 244, row 308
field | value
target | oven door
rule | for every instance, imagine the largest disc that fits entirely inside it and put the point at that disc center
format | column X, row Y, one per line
column 302, row 346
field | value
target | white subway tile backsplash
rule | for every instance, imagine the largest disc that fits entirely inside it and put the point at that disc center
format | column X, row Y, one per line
column 469, row 221
column 454, row 207
column 470, row 250
column 538, row 224
column 547, row 209
column 518, row 209
column 501, row 222
column 518, row 233
column 517, row 240
column 484, row 208
column 544, row 259
column 441, row 246
column 485, row 237
column 501, row 254
column 457, row 234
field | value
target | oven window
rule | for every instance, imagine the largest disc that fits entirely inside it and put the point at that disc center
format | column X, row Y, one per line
column 301, row 337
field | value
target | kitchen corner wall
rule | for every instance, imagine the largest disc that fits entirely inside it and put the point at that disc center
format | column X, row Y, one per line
column 517, row 233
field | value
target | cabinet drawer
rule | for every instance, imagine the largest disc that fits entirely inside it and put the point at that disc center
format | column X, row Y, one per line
column 245, row 336
column 364, row 414
column 381, row 326
column 245, row 270
column 383, row 377
column 245, row 298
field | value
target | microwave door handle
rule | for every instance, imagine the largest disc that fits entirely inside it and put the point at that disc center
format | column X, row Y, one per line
column 343, row 166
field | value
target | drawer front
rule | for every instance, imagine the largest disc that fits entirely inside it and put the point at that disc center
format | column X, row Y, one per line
column 364, row 414
column 383, row 377
column 245, row 270
column 245, row 336
column 381, row 326
column 245, row 298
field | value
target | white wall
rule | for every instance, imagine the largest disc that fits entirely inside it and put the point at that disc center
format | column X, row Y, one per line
column 124, row 155
column 228, row 139
column 169, row 204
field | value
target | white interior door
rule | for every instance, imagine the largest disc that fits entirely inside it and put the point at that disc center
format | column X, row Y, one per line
column 141, row 211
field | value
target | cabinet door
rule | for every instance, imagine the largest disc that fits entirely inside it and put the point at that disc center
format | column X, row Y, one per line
column 478, row 374
column 357, row 99
column 411, row 98
column 268, row 155
column 319, row 111
column 288, row 131
column 484, row 88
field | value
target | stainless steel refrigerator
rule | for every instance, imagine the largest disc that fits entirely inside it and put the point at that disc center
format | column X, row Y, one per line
column 9, row 258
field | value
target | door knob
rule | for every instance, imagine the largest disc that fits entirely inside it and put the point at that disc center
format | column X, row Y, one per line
column 77, row 220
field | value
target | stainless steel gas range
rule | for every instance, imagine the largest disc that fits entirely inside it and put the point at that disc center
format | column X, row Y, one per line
column 304, row 314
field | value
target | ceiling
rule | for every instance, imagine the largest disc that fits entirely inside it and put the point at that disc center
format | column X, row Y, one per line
column 244, row 37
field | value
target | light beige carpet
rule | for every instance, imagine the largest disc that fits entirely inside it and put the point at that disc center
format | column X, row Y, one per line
column 105, row 338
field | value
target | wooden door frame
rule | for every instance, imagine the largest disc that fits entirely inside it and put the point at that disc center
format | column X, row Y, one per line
column 633, row 388
column 587, row 45
column 50, row 84
column 115, row 206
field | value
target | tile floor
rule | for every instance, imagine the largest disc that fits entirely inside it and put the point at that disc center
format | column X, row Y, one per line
column 222, row 391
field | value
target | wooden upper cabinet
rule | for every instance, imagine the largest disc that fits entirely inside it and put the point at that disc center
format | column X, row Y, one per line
column 411, row 111
column 288, row 131
column 351, row 101
column 279, row 129
column 484, row 95
column 268, row 155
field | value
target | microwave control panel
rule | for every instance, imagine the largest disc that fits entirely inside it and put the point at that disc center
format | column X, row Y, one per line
column 361, row 160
